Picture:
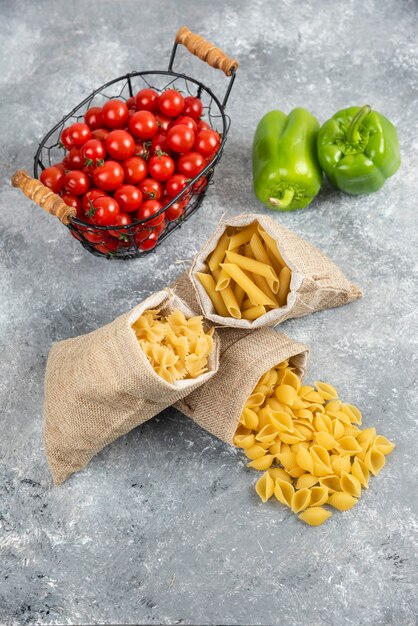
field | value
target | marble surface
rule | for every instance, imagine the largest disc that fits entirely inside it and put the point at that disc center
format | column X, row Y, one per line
column 164, row 526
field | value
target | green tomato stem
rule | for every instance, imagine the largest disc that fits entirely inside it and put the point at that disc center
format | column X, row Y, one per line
column 353, row 135
column 284, row 201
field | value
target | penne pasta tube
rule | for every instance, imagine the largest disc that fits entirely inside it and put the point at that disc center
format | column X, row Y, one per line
column 255, row 267
column 228, row 298
column 254, row 312
column 285, row 276
column 258, row 250
column 262, row 284
column 242, row 237
column 272, row 246
column 246, row 304
column 210, row 287
column 253, row 292
column 239, row 294
column 223, row 281
column 218, row 254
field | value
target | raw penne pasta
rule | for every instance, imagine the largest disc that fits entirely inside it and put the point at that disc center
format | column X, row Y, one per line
column 223, row 281
column 258, row 250
column 242, row 237
column 209, row 284
column 254, row 312
column 272, row 246
column 284, row 278
column 253, row 292
column 239, row 294
column 262, row 284
column 255, row 267
column 218, row 254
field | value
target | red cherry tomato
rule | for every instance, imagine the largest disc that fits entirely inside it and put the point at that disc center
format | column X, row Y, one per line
column 191, row 164
column 148, row 209
column 207, row 142
column 93, row 153
column 108, row 247
column 120, row 145
column 187, row 121
column 130, row 103
column 142, row 234
column 108, row 176
column 135, row 170
column 94, row 235
column 66, row 140
column 143, row 125
column 159, row 143
column 100, row 134
column 123, row 219
column 163, row 122
column 115, row 114
column 91, row 195
column 171, row 103
column 79, row 133
column 175, row 184
column 73, row 201
column 149, row 243
column 75, row 160
column 180, row 138
column 129, row 198
column 161, row 166
column 76, row 182
column 53, row 178
column 142, row 150
column 193, row 107
column 152, row 189
column 104, row 211
column 61, row 165
column 200, row 185
column 174, row 211
column 202, row 125
column 93, row 117
column 160, row 228
column 147, row 100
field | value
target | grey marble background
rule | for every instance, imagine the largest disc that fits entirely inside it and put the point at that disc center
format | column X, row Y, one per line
column 164, row 526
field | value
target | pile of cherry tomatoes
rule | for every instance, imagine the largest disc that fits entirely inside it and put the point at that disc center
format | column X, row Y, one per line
column 127, row 161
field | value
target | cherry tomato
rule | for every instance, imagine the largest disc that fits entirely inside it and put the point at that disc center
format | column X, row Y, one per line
column 146, row 100
column 149, row 208
column 120, row 145
column 65, row 162
column 108, row 247
column 100, row 134
column 180, row 138
column 79, row 133
column 108, row 176
column 143, row 125
column 202, row 125
column 76, row 182
column 161, row 166
column 207, row 142
column 149, row 243
column 142, row 150
column 75, row 160
column 96, row 236
column 175, row 184
column 193, row 107
column 52, row 177
column 91, row 195
column 93, row 117
column 104, row 211
column 66, row 140
column 164, row 123
column 115, row 114
column 191, row 164
column 61, row 165
column 73, row 201
column 200, row 185
column 174, row 211
column 159, row 143
column 130, row 103
column 142, row 234
column 123, row 219
column 187, row 121
column 93, row 153
column 152, row 189
column 129, row 198
column 171, row 103
column 135, row 170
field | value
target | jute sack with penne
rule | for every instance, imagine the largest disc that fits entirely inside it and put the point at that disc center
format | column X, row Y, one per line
column 101, row 385
column 253, row 272
column 245, row 356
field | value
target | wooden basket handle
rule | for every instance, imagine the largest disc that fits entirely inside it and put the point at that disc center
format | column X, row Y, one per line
column 44, row 197
column 206, row 51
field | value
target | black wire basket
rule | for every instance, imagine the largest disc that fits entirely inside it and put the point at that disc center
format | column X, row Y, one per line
column 134, row 237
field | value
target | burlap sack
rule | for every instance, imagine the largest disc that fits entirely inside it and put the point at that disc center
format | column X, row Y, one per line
column 245, row 357
column 316, row 283
column 100, row 386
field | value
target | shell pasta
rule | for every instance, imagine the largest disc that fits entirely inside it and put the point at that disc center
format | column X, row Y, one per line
column 177, row 348
column 308, row 444
column 246, row 275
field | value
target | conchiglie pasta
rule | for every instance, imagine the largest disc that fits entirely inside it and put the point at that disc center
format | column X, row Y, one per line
column 309, row 445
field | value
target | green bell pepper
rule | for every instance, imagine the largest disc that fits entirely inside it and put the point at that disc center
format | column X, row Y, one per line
column 286, row 172
column 358, row 150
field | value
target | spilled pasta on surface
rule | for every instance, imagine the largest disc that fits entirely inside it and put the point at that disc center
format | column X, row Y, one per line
column 309, row 445
column 177, row 348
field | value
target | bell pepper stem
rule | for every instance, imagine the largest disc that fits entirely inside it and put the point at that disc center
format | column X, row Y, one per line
column 284, row 201
column 353, row 135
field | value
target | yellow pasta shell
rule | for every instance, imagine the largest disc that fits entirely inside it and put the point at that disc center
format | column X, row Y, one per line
column 314, row 516
column 334, row 405
column 328, row 392
column 304, row 460
column 304, row 390
column 366, row 436
column 242, row 430
column 337, row 429
column 332, row 483
column 326, row 440
column 306, row 481
column 360, row 471
column 295, row 472
column 300, row 500
column 319, row 495
column 305, row 414
column 323, row 423
column 291, row 438
column 320, row 455
column 313, row 396
column 278, row 472
column 383, row 445
column 349, row 445
column 374, row 461
column 265, row 486
column 353, row 412
column 262, row 463
column 254, row 452
column 287, row 459
column 286, row 394
column 267, row 434
column 249, row 418
column 341, row 464
column 275, row 447
column 284, row 492
column 281, row 421
column 350, row 484
column 244, row 441
column 255, row 399
column 342, row 501
column 291, row 379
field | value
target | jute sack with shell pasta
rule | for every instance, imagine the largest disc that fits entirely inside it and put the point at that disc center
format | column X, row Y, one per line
column 316, row 282
column 101, row 385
